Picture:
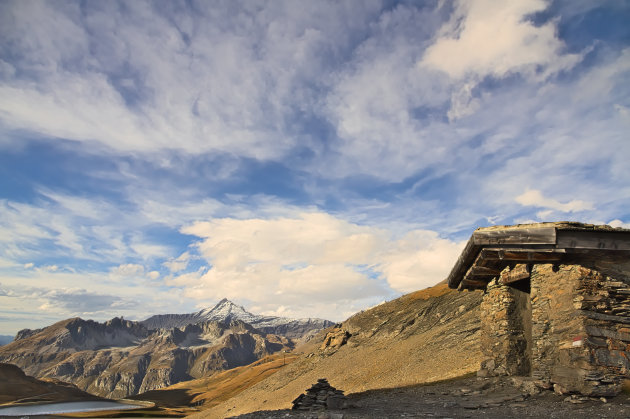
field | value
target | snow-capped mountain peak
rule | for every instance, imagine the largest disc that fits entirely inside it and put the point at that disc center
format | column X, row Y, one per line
column 226, row 311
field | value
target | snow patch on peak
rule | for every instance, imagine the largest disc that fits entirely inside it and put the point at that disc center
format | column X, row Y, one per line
column 226, row 311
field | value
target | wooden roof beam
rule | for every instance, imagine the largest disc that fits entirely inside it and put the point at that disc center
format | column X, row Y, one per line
column 612, row 241
column 515, row 236
column 483, row 271
column 523, row 255
column 472, row 284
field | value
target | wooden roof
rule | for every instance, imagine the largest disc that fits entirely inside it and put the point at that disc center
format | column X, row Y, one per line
column 490, row 249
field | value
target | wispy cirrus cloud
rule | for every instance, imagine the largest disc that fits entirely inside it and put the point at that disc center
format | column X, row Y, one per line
column 535, row 198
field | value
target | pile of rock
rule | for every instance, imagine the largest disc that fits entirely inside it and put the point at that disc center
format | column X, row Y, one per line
column 321, row 396
column 335, row 339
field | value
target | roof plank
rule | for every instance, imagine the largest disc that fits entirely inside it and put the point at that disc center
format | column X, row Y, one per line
column 483, row 271
column 491, row 249
column 465, row 259
column 538, row 235
column 523, row 255
column 571, row 239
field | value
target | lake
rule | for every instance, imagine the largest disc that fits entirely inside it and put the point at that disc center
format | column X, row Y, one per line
column 71, row 407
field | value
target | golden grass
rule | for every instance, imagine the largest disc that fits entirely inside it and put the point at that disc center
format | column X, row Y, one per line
column 210, row 391
column 432, row 292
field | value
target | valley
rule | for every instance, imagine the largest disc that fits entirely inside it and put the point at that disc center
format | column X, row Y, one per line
column 417, row 353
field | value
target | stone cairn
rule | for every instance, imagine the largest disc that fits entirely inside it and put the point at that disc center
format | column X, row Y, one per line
column 321, row 396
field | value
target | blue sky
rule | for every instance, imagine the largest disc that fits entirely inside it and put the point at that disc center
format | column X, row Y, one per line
column 300, row 158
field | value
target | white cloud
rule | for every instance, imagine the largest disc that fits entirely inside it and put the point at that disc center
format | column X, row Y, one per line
column 544, row 215
column 485, row 37
column 419, row 255
column 619, row 224
column 311, row 257
column 535, row 198
column 386, row 112
column 84, row 228
column 496, row 39
column 199, row 80
column 178, row 264
column 128, row 270
column 43, row 297
column 463, row 103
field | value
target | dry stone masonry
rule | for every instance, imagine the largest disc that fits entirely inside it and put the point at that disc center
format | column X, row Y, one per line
column 321, row 396
column 505, row 331
column 556, row 305
column 572, row 330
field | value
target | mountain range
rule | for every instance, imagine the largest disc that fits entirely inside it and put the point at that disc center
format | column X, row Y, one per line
column 422, row 337
column 226, row 311
column 121, row 357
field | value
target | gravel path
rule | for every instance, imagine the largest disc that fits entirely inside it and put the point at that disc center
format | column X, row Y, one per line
column 465, row 398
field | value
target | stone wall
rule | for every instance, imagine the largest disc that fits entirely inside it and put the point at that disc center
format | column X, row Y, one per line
column 580, row 329
column 605, row 303
column 505, row 330
column 558, row 354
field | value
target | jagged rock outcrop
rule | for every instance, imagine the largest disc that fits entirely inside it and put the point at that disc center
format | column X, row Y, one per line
column 120, row 357
column 335, row 339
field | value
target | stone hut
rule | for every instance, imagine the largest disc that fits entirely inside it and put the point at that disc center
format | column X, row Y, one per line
column 556, row 304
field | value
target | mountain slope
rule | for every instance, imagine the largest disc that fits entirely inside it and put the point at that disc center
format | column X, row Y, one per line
column 226, row 311
column 216, row 388
column 119, row 357
column 15, row 386
column 422, row 337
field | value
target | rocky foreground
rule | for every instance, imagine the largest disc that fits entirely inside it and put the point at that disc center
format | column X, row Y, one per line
column 465, row 398
column 425, row 336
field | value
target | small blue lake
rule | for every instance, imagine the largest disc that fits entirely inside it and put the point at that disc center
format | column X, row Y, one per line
column 69, row 407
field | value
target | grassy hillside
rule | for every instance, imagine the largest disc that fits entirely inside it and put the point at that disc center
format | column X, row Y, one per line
column 210, row 391
column 422, row 337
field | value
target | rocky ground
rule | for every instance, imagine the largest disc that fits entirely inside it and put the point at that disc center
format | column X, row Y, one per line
column 422, row 337
column 466, row 398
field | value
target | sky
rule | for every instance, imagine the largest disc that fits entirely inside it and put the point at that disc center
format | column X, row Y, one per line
column 301, row 158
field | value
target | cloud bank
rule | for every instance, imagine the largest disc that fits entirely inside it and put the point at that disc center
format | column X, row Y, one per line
column 312, row 261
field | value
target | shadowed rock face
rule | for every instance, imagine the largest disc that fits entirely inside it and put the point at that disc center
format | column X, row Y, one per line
column 15, row 385
column 119, row 358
